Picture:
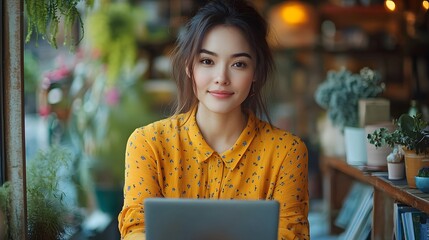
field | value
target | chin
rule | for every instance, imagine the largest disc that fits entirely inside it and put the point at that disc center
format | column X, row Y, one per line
column 220, row 108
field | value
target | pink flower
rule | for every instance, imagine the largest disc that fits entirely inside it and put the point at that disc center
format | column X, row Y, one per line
column 58, row 74
column 44, row 111
column 112, row 96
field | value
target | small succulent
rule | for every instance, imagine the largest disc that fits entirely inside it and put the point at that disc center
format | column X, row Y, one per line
column 396, row 156
column 423, row 172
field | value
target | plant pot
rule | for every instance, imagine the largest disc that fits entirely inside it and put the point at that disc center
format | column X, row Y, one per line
column 355, row 141
column 413, row 163
column 395, row 170
column 377, row 156
column 331, row 138
column 422, row 183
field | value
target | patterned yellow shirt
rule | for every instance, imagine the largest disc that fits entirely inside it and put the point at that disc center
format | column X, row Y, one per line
column 170, row 158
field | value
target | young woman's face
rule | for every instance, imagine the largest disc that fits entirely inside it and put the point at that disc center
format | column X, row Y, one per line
column 223, row 70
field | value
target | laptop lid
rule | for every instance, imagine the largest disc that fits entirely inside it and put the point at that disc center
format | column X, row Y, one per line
column 209, row 219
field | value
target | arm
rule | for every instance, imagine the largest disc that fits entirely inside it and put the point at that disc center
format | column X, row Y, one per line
column 135, row 236
column 292, row 193
column 140, row 183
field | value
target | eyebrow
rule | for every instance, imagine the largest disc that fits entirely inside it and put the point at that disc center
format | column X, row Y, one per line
column 243, row 54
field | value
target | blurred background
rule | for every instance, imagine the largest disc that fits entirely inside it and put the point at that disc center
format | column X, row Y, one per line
column 110, row 73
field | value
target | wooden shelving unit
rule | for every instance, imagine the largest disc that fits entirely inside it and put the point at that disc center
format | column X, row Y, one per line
column 338, row 177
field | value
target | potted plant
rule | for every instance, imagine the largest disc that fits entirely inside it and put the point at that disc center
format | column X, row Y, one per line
column 49, row 210
column 48, row 214
column 422, row 179
column 412, row 134
column 339, row 94
column 102, row 130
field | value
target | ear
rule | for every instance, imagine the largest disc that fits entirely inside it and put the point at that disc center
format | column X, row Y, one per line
column 187, row 72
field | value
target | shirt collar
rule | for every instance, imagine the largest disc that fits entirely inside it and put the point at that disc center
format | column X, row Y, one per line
column 230, row 157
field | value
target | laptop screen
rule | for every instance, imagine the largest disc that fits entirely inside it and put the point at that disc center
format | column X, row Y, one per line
column 209, row 219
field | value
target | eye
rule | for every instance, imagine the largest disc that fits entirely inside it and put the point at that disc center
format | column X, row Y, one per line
column 206, row 61
column 240, row 64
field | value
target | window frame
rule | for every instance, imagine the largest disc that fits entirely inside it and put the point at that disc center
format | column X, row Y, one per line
column 2, row 93
column 12, row 115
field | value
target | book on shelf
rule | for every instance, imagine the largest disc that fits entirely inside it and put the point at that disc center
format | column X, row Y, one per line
column 410, row 223
column 360, row 215
column 424, row 229
column 398, row 209
column 354, row 197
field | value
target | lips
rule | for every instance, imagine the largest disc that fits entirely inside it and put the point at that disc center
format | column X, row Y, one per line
column 220, row 93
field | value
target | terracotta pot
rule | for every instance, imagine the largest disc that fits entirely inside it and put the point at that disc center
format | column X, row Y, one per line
column 413, row 163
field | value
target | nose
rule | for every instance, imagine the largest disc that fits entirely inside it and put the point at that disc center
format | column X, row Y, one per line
column 222, row 77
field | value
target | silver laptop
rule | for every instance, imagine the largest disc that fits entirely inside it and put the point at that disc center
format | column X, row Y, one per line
column 203, row 219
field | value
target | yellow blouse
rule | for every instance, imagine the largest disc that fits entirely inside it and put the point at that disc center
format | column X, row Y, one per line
column 170, row 158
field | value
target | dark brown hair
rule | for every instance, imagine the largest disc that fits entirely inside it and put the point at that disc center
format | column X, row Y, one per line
column 237, row 13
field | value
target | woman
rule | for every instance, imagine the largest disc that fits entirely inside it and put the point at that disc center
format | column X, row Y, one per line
column 215, row 146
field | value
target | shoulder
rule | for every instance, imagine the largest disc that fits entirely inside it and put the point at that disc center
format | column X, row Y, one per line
column 166, row 125
column 270, row 133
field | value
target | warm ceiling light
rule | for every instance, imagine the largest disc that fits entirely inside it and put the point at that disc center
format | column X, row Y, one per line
column 390, row 5
column 294, row 13
column 425, row 4
column 293, row 24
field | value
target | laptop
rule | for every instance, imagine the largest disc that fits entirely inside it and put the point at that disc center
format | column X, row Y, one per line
column 210, row 219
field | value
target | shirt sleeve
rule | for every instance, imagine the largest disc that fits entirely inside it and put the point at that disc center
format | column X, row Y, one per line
column 292, row 193
column 140, row 181
column 135, row 236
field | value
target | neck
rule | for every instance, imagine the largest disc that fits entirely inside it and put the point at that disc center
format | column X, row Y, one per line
column 221, row 131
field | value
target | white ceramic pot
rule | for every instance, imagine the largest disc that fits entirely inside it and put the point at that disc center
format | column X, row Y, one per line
column 355, row 142
column 396, row 171
column 331, row 138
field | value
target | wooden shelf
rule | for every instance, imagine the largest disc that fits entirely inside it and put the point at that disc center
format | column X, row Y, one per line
column 398, row 190
column 338, row 175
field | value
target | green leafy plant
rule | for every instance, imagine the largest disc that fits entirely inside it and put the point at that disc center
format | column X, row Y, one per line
column 423, row 172
column 112, row 33
column 4, row 213
column 104, row 116
column 48, row 215
column 412, row 132
column 31, row 73
column 340, row 93
column 45, row 17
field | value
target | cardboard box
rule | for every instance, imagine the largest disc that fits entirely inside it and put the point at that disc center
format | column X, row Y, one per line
column 373, row 110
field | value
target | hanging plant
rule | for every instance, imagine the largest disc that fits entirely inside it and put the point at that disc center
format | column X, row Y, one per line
column 44, row 18
column 112, row 33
